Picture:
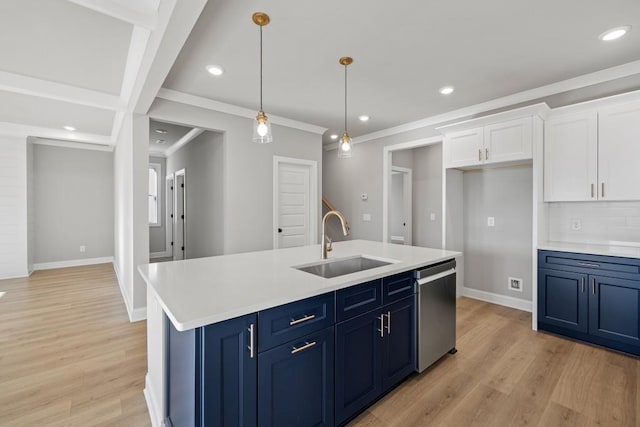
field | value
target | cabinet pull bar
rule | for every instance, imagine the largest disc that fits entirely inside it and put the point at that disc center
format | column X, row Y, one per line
column 381, row 330
column 593, row 286
column 251, row 339
column 479, row 154
column 302, row 319
column 306, row 345
column 486, row 154
column 582, row 284
column 589, row 264
column 602, row 190
column 389, row 322
column 592, row 195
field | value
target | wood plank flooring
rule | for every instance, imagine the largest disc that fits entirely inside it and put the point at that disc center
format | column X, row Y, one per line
column 70, row 357
column 68, row 354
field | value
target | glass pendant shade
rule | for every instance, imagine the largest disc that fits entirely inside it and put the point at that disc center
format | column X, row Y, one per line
column 345, row 147
column 262, row 129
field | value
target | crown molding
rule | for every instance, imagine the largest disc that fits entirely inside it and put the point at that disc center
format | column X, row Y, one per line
column 190, row 136
column 72, row 144
column 24, row 131
column 597, row 77
column 541, row 110
column 210, row 104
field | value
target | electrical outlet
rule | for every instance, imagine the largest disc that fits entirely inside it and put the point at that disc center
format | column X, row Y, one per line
column 491, row 221
column 432, row 217
column 83, row 249
column 514, row 284
column 576, row 224
column 364, row 197
column 366, row 217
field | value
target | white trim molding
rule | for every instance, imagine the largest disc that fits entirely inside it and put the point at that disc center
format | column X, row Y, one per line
column 23, row 131
column 72, row 263
column 74, row 145
column 190, row 136
column 156, row 416
column 120, row 10
column 210, row 104
column 507, row 301
column 137, row 314
column 164, row 254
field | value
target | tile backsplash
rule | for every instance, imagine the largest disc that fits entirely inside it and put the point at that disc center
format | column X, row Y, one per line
column 614, row 223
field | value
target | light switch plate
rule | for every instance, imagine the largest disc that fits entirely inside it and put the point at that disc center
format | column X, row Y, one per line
column 432, row 217
column 491, row 221
column 576, row 224
column 366, row 217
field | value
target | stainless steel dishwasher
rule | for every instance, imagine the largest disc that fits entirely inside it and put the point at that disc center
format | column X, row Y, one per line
column 436, row 312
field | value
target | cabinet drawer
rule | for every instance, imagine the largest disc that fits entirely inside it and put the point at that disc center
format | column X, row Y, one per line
column 625, row 268
column 356, row 300
column 288, row 322
column 398, row 286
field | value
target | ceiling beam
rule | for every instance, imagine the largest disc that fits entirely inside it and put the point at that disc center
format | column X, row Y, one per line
column 119, row 11
column 16, row 83
column 24, row 131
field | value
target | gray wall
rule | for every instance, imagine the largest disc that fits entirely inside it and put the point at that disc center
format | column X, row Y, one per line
column 157, row 235
column 396, row 205
column 31, row 212
column 248, row 170
column 73, row 203
column 427, row 196
column 203, row 161
column 492, row 254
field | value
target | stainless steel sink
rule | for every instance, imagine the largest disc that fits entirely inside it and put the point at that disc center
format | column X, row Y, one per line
column 342, row 266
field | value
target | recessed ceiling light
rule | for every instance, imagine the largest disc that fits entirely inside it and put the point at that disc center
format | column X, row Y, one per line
column 614, row 33
column 447, row 90
column 162, row 131
column 363, row 118
column 69, row 128
column 334, row 136
column 160, row 141
column 215, row 70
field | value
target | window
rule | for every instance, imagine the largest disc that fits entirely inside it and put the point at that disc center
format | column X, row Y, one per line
column 154, row 194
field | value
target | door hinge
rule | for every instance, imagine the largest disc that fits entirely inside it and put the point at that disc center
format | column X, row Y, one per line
column 171, row 243
column 172, row 187
column 183, row 248
column 182, row 216
column 171, row 215
column 182, row 185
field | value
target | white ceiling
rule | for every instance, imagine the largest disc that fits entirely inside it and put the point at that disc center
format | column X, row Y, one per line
column 173, row 135
column 403, row 52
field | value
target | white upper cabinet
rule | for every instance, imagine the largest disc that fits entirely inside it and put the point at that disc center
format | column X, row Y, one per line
column 506, row 137
column 619, row 152
column 464, row 148
column 508, row 141
column 570, row 158
column 593, row 155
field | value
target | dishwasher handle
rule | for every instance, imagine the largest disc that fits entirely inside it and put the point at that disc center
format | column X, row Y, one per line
column 435, row 277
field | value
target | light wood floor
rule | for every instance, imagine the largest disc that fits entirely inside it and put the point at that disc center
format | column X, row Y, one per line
column 69, row 356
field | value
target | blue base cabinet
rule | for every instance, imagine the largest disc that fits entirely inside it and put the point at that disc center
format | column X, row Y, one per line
column 593, row 298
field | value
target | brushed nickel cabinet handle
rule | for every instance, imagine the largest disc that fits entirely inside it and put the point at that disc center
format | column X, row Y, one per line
column 251, row 339
column 479, row 154
column 302, row 319
column 582, row 284
column 306, row 345
column 486, row 154
column 389, row 322
column 381, row 330
column 592, row 188
column 589, row 264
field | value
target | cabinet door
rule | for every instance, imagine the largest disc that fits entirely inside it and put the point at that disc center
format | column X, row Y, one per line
column 618, row 153
column 570, row 158
column 563, row 299
column 614, row 309
column 508, row 141
column 358, row 364
column 296, row 382
column 399, row 348
column 229, row 373
column 464, row 148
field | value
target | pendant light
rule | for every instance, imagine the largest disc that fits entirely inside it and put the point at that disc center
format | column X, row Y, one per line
column 345, row 146
column 261, row 127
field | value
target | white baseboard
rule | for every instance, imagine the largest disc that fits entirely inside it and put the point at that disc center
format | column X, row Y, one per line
column 72, row 263
column 157, row 419
column 164, row 254
column 137, row 314
column 504, row 300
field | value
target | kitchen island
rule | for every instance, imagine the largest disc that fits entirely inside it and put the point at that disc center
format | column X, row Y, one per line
column 201, row 298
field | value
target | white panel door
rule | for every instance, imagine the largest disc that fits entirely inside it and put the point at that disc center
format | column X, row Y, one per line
column 619, row 153
column 464, row 148
column 293, row 205
column 570, row 158
column 179, row 222
column 508, row 141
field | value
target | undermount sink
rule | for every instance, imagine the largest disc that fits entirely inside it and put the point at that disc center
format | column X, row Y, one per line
column 342, row 266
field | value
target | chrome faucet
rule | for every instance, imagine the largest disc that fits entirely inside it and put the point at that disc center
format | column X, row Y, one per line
column 326, row 241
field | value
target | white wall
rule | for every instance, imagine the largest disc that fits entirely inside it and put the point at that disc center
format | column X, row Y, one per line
column 427, row 196
column 131, row 227
column 248, row 175
column 157, row 235
column 13, row 207
column 203, row 161
column 73, row 201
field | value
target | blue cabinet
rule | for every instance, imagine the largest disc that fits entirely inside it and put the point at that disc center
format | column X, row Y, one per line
column 593, row 298
column 374, row 352
column 296, row 382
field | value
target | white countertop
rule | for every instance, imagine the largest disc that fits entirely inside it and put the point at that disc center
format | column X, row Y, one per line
column 595, row 249
column 197, row 292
